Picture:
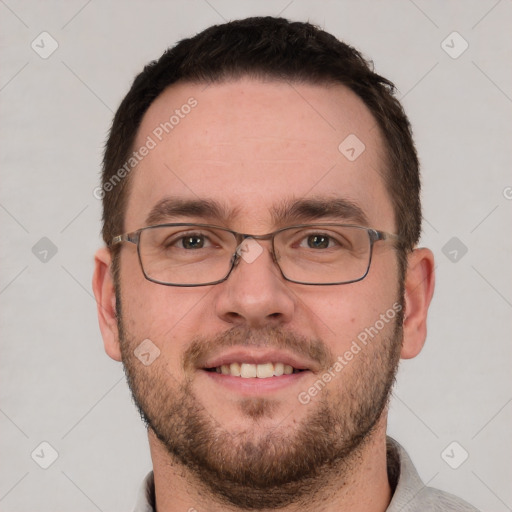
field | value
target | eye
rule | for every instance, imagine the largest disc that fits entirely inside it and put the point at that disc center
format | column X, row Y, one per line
column 188, row 241
column 318, row 241
column 192, row 241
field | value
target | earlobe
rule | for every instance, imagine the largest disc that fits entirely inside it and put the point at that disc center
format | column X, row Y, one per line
column 104, row 291
column 419, row 288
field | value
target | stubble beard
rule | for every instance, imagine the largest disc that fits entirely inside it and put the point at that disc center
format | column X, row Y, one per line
column 285, row 465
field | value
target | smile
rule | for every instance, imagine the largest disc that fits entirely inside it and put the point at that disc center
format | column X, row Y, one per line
column 259, row 371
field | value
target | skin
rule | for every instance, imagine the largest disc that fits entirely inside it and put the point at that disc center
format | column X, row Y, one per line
column 250, row 145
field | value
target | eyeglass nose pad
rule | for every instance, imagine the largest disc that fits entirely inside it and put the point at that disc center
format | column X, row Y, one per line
column 275, row 255
column 239, row 251
column 235, row 259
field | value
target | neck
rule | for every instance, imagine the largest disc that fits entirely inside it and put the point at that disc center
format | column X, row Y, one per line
column 364, row 488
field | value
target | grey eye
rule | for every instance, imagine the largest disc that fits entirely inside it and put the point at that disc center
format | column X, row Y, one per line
column 318, row 241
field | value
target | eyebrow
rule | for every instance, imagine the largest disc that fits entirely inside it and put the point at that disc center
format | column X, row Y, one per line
column 287, row 212
column 304, row 210
column 171, row 208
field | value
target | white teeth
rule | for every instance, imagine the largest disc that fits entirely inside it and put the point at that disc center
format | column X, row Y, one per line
column 250, row 371
column 278, row 369
column 235, row 369
column 264, row 370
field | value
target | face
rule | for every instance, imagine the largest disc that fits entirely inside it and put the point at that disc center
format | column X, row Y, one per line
column 259, row 151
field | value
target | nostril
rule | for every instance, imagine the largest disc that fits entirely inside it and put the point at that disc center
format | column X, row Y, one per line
column 233, row 317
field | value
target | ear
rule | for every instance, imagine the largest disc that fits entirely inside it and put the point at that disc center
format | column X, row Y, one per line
column 104, row 291
column 419, row 288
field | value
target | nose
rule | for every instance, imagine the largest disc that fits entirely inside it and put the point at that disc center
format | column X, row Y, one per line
column 255, row 294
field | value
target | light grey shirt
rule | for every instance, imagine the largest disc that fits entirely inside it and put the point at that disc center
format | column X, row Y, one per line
column 410, row 494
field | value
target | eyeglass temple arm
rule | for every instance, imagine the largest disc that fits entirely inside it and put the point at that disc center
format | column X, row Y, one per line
column 127, row 237
column 382, row 236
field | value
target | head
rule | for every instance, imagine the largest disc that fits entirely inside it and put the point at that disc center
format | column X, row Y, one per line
column 243, row 127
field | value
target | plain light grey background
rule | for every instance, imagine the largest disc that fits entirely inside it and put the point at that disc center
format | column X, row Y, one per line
column 58, row 386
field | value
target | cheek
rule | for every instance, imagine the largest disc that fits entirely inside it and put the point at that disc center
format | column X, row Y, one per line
column 341, row 314
column 146, row 305
column 168, row 316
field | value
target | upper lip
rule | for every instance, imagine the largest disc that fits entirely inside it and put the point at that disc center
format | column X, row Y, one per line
column 259, row 356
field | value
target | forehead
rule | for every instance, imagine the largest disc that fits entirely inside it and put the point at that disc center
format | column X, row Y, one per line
column 251, row 146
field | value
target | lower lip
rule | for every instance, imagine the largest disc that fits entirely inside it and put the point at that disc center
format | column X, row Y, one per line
column 255, row 386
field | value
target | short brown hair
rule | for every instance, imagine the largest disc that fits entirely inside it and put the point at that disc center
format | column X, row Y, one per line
column 266, row 47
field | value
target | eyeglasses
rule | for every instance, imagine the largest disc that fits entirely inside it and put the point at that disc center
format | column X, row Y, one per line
column 201, row 254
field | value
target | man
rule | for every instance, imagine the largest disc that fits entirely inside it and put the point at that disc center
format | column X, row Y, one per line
column 261, row 279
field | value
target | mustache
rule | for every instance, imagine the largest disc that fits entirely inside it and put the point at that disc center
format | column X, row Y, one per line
column 202, row 347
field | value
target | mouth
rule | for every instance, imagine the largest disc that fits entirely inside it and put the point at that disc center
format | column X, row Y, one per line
column 258, row 371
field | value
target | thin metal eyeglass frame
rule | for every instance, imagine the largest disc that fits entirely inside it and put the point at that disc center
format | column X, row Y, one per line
column 133, row 237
